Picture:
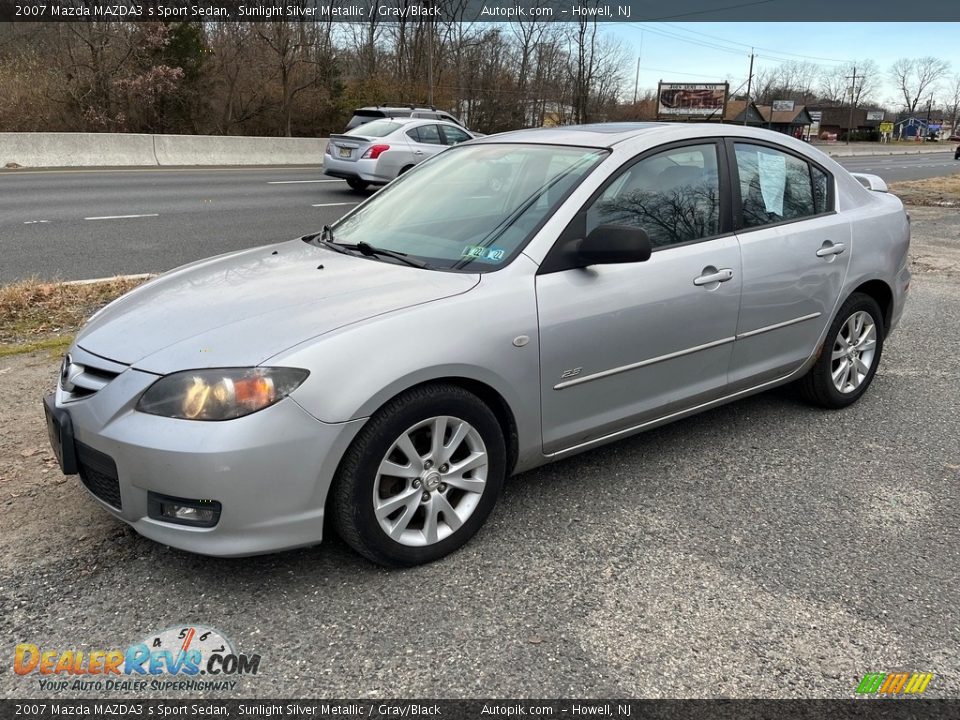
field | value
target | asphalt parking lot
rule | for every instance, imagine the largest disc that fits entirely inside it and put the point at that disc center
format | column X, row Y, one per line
column 763, row 549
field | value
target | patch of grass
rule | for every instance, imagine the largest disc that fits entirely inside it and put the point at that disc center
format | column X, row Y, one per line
column 56, row 345
column 932, row 192
column 37, row 315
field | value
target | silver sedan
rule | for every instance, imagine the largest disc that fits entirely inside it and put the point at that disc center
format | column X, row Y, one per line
column 516, row 300
column 377, row 152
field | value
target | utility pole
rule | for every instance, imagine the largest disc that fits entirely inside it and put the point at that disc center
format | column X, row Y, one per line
column 430, row 56
column 929, row 106
column 853, row 100
column 746, row 109
column 636, row 82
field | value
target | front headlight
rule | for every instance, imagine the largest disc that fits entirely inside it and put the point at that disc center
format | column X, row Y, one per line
column 221, row 393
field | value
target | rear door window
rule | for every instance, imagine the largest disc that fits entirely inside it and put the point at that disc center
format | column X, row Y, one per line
column 429, row 134
column 774, row 186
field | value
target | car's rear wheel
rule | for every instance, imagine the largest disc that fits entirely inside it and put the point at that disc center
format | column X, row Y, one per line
column 850, row 355
column 358, row 184
column 404, row 169
column 421, row 477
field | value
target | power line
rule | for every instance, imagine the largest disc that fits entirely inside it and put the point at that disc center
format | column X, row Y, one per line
column 780, row 56
column 754, row 47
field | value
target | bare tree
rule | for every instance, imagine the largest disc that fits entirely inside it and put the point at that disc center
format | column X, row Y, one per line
column 916, row 77
column 951, row 103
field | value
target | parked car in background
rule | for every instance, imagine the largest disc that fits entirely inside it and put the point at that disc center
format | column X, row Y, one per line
column 517, row 300
column 378, row 151
column 376, row 112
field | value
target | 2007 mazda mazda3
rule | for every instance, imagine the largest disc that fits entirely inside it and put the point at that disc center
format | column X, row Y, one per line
column 510, row 302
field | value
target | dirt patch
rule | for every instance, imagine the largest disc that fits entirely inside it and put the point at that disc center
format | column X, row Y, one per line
column 38, row 315
column 935, row 241
column 931, row 192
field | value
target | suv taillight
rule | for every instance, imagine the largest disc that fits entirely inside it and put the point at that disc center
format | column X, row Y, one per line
column 374, row 151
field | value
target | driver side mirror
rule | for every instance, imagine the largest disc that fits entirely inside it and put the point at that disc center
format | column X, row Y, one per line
column 608, row 244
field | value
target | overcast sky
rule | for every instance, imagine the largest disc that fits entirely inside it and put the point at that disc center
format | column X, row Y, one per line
column 687, row 52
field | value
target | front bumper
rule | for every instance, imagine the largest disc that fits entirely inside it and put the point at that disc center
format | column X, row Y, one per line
column 270, row 471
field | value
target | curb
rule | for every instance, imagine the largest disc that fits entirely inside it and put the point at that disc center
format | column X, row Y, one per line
column 114, row 278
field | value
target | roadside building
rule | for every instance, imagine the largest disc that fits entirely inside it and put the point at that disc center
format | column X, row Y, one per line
column 739, row 110
column 795, row 121
column 835, row 122
column 911, row 128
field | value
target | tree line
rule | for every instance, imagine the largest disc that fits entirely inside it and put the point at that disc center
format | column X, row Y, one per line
column 300, row 79
column 305, row 78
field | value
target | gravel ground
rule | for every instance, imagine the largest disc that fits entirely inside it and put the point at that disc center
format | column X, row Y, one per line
column 763, row 549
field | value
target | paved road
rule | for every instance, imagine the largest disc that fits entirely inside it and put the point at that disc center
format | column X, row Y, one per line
column 903, row 167
column 76, row 224
column 763, row 549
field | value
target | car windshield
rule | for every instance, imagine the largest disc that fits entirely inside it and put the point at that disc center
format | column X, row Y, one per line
column 471, row 208
column 375, row 128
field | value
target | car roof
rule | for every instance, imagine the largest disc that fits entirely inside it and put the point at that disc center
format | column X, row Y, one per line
column 606, row 135
column 600, row 135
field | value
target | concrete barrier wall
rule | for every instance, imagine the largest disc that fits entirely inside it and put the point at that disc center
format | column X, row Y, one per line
column 232, row 150
column 75, row 149
column 133, row 150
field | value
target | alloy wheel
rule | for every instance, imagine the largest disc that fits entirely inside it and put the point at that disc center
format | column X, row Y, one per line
column 854, row 350
column 430, row 481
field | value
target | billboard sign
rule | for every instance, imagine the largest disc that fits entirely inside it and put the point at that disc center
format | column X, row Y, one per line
column 886, row 127
column 874, row 114
column 816, row 115
column 692, row 99
column 783, row 105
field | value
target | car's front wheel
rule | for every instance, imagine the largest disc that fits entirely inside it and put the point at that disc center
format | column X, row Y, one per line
column 358, row 184
column 850, row 355
column 421, row 476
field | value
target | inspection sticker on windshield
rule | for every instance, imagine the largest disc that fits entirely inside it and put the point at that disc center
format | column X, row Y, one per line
column 483, row 253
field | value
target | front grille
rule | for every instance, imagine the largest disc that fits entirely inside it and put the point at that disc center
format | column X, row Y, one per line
column 98, row 472
column 86, row 374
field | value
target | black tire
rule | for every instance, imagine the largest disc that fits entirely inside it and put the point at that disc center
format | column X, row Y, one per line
column 358, row 184
column 817, row 387
column 351, row 506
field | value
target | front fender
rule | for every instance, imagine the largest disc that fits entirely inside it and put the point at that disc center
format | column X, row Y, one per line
column 473, row 336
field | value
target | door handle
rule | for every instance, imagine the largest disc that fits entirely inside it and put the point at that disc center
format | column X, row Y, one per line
column 828, row 248
column 418, row 152
column 712, row 275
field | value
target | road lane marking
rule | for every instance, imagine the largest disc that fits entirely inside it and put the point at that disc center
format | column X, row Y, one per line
column 334, row 204
column 299, row 182
column 121, row 217
column 33, row 222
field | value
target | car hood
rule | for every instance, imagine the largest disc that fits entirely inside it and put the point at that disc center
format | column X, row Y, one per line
column 242, row 308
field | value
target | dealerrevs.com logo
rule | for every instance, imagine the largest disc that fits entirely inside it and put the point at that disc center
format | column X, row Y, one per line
column 191, row 658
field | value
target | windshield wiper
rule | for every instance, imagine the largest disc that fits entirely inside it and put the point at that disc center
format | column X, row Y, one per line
column 325, row 238
column 369, row 250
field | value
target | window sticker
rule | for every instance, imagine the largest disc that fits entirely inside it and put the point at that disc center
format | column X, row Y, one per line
column 773, row 180
column 483, row 253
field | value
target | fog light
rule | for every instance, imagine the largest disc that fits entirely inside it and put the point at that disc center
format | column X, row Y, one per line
column 197, row 513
